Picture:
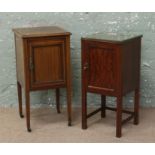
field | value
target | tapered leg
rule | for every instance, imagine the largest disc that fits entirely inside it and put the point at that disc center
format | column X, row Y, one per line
column 103, row 106
column 136, row 107
column 84, row 110
column 20, row 99
column 58, row 100
column 27, row 100
column 119, row 117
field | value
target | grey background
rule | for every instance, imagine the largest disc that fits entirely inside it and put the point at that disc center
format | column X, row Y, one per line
column 79, row 24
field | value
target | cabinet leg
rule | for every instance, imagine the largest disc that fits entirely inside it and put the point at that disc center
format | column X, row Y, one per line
column 19, row 88
column 69, row 107
column 27, row 100
column 136, row 107
column 103, row 106
column 58, row 100
column 119, row 117
column 84, row 110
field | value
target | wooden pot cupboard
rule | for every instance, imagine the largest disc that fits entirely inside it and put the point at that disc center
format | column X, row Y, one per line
column 111, row 67
column 43, row 62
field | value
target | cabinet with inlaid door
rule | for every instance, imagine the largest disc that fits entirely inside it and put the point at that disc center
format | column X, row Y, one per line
column 43, row 62
column 111, row 67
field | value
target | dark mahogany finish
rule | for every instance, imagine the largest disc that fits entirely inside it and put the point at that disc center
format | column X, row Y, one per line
column 111, row 67
column 43, row 62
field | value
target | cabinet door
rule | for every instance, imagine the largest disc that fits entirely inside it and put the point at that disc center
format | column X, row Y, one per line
column 47, row 63
column 100, row 67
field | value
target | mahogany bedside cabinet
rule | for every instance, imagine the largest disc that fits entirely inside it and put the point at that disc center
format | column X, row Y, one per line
column 43, row 62
column 111, row 67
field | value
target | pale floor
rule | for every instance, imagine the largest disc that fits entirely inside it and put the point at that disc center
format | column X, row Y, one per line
column 48, row 126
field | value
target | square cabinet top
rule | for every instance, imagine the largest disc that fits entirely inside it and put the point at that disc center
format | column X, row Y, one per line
column 112, row 37
column 40, row 31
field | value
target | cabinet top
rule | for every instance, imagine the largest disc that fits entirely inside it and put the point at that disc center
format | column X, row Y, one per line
column 112, row 37
column 40, row 31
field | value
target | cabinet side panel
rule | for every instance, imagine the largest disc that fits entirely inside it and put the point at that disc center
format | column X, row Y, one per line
column 19, row 60
column 131, row 65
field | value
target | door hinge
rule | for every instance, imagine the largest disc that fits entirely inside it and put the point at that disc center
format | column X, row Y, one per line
column 31, row 64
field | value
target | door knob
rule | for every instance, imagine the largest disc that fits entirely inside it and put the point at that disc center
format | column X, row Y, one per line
column 86, row 66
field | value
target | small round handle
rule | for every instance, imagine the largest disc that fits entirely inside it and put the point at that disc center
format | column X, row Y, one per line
column 86, row 66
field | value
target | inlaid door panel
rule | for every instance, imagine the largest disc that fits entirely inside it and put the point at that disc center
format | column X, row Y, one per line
column 101, row 67
column 48, row 63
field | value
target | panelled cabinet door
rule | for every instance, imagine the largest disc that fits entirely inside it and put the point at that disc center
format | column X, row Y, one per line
column 47, row 63
column 100, row 67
